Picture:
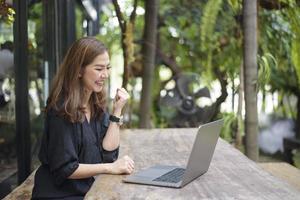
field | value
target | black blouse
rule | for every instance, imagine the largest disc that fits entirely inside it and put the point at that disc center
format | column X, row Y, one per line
column 64, row 146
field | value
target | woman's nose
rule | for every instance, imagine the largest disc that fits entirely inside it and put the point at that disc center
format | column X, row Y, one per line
column 105, row 73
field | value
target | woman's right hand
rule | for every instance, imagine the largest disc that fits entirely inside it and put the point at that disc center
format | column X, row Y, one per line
column 120, row 100
column 124, row 165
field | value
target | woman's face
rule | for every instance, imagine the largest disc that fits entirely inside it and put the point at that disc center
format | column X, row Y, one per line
column 96, row 73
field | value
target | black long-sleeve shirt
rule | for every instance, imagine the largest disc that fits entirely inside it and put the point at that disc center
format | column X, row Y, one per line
column 64, row 146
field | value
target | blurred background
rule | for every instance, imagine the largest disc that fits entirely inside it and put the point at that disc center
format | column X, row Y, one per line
column 183, row 63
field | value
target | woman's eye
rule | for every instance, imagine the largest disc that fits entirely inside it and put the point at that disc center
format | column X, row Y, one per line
column 102, row 68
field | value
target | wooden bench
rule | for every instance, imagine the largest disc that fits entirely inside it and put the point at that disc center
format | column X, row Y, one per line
column 231, row 174
column 230, row 171
column 23, row 191
column 283, row 171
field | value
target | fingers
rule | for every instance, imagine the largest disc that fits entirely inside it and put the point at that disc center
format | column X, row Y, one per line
column 120, row 99
column 122, row 94
column 124, row 165
column 129, row 164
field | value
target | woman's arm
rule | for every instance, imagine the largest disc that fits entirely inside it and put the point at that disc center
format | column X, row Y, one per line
column 123, row 165
column 111, row 140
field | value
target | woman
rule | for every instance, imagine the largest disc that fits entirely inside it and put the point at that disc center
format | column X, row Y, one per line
column 80, row 139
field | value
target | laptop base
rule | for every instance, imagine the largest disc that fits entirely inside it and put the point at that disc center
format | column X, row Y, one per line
column 148, row 175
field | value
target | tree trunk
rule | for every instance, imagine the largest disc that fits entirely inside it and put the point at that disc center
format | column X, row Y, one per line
column 250, row 76
column 232, row 94
column 239, row 133
column 125, row 63
column 127, row 29
column 149, row 52
column 298, row 118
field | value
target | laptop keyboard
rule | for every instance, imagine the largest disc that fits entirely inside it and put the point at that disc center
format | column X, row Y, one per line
column 173, row 176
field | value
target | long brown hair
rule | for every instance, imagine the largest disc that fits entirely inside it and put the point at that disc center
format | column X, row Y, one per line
column 67, row 88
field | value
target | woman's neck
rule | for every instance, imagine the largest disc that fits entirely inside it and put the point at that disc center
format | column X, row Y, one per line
column 86, row 105
column 88, row 113
column 86, row 98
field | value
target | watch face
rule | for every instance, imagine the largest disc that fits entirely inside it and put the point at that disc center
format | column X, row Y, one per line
column 118, row 120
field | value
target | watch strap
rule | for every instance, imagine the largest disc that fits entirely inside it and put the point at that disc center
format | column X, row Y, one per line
column 118, row 120
column 114, row 118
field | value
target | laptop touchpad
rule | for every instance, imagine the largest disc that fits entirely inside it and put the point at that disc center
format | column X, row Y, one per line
column 154, row 172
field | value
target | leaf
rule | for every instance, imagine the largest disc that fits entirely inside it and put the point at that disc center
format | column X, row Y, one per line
column 266, row 63
column 208, row 22
column 230, row 121
column 294, row 16
column 235, row 5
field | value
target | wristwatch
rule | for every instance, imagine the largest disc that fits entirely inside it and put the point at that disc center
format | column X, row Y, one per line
column 118, row 120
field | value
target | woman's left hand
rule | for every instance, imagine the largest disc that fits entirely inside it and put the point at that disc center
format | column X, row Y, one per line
column 120, row 100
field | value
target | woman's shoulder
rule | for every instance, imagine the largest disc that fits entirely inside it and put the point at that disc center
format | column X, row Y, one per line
column 57, row 121
column 54, row 109
column 54, row 114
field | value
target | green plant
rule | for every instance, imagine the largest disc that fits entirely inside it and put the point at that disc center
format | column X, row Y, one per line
column 6, row 12
column 230, row 126
column 209, row 19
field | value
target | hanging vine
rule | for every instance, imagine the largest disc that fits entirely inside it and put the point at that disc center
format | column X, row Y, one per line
column 294, row 15
column 208, row 23
column 128, row 41
column 6, row 12
column 127, row 29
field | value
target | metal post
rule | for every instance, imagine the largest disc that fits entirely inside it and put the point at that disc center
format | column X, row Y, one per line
column 59, row 31
column 49, row 36
column 21, row 90
column 66, row 25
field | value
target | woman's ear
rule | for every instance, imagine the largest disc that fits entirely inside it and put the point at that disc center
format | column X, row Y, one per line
column 80, row 73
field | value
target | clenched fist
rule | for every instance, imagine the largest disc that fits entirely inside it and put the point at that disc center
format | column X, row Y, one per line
column 120, row 100
column 124, row 165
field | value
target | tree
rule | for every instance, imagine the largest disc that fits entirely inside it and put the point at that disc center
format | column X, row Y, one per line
column 295, row 57
column 127, row 30
column 250, row 77
column 148, row 51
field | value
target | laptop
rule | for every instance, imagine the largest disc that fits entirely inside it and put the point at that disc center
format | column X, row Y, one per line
column 198, row 162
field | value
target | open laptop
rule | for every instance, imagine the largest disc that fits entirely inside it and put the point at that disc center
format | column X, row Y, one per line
column 198, row 163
